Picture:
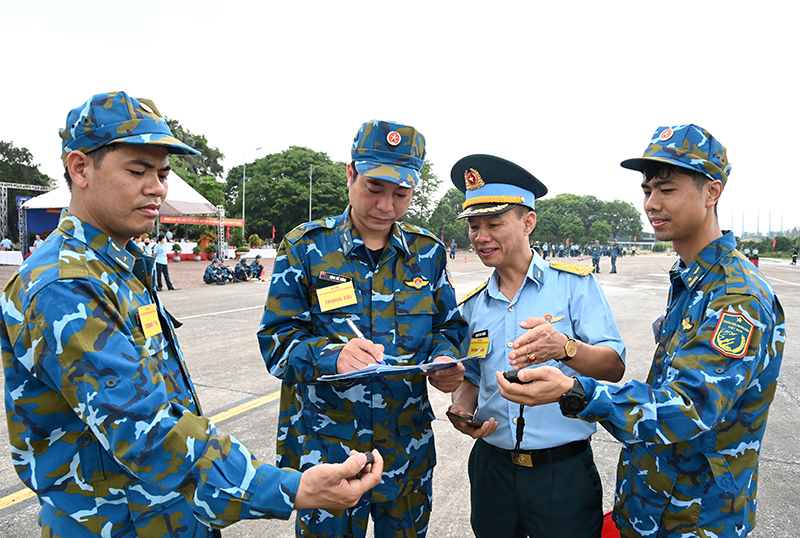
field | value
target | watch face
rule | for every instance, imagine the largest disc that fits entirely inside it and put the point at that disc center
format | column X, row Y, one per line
column 572, row 404
column 571, row 348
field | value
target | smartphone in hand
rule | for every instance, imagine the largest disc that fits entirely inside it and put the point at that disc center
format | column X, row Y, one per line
column 469, row 419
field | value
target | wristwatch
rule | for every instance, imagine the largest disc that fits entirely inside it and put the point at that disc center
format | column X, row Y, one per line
column 570, row 348
column 574, row 400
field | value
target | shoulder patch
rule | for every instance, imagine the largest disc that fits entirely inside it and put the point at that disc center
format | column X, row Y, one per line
column 303, row 229
column 732, row 334
column 574, row 268
column 469, row 294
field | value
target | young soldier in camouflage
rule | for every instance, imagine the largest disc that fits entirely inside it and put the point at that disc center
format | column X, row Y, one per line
column 104, row 422
column 692, row 434
column 401, row 299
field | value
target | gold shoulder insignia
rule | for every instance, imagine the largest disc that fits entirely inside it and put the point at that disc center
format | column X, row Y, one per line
column 466, row 296
column 574, row 268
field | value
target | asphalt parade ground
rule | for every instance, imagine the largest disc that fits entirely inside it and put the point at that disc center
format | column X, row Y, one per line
column 219, row 343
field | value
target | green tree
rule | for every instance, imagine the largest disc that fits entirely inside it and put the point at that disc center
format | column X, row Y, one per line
column 443, row 223
column 601, row 231
column 422, row 203
column 277, row 190
column 623, row 218
column 17, row 166
column 205, row 164
column 782, row 244
column 571, row 228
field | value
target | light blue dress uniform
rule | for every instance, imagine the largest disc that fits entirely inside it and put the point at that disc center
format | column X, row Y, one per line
column 577, row 307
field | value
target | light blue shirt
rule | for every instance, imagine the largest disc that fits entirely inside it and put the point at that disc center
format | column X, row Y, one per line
column 160, row 252
column 578, row 308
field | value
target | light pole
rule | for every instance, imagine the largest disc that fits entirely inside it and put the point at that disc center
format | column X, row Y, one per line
column 310, row 174
column 244, row 173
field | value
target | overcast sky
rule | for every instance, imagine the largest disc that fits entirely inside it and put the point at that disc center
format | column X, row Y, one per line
column 565, row 89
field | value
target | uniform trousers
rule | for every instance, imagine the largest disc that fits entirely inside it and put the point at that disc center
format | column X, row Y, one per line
column 552, row 500
column 406, row 517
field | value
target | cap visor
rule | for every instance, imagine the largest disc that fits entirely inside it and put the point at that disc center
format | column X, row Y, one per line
column 638, row 163
column 173, row 145
column 405, row 177
column 484, row 210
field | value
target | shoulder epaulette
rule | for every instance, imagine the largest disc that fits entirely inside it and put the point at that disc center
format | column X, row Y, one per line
column 574, row 268
column 466, row 296
column 412, row 229
column 303, row 229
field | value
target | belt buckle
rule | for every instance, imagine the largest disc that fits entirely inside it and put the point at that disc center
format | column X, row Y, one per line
column 523, row 459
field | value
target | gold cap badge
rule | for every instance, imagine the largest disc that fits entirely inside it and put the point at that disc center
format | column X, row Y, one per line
column 473, row 179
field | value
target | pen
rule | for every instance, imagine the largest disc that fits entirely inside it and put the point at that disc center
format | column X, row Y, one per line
column 359, row 334
column 353, row 327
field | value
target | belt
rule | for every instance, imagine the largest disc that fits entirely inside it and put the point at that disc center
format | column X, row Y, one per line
column 530, row 458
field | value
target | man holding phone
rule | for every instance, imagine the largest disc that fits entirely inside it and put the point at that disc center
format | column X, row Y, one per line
column 528, row 313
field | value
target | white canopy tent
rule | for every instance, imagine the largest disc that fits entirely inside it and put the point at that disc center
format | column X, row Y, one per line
column 182, row 199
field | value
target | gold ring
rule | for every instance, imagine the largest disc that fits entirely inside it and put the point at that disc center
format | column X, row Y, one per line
column 530, row 357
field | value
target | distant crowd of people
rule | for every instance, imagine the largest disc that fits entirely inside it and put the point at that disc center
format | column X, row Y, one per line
column 573, row 251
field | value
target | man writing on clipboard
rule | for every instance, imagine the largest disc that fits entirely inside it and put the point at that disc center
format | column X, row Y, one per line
column 391, row 279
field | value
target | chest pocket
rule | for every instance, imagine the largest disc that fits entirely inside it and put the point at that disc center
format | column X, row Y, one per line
column 323, row 321
column 414, row 312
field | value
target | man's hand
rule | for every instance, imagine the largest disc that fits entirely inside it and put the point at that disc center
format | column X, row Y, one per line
column 542, row 385
column 484, row 430
column 358, row 353
column 337, row 486
column 540, row 344
column 449, row 379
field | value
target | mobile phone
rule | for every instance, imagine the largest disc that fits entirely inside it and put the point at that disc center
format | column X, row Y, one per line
column 469, row 419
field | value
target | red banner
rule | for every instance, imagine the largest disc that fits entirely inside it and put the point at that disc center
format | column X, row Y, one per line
column 179, row 219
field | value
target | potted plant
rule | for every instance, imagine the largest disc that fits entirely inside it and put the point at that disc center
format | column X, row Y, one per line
column 196, row 251
column 176, row 250
column 240, row 251
column 211, row 250
column 255, row 241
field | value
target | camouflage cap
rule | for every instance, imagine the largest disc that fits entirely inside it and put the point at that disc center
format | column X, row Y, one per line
column 494, row 185
column 114, row 117
column 686, row 146
column 390, row 151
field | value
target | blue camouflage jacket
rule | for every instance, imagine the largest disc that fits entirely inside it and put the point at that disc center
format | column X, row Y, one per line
column 405, row 302
column 692, row 434
column 104, row 423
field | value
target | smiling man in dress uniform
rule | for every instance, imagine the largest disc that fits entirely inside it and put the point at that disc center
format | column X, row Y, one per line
column 531, row 470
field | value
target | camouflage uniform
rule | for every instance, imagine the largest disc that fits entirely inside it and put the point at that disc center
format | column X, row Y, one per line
column 211, row 275
column 241, row 271
column 105, row 425
column 256, row 269
column 615, row 251
column 406, row 303
column 596, row 258
column 692, row 434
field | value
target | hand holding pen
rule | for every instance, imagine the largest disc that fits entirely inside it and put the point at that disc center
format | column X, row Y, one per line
column 358, row 352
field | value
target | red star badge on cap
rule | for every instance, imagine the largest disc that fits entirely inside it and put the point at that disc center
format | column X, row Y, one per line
column 393, row 138
column 666, row 134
